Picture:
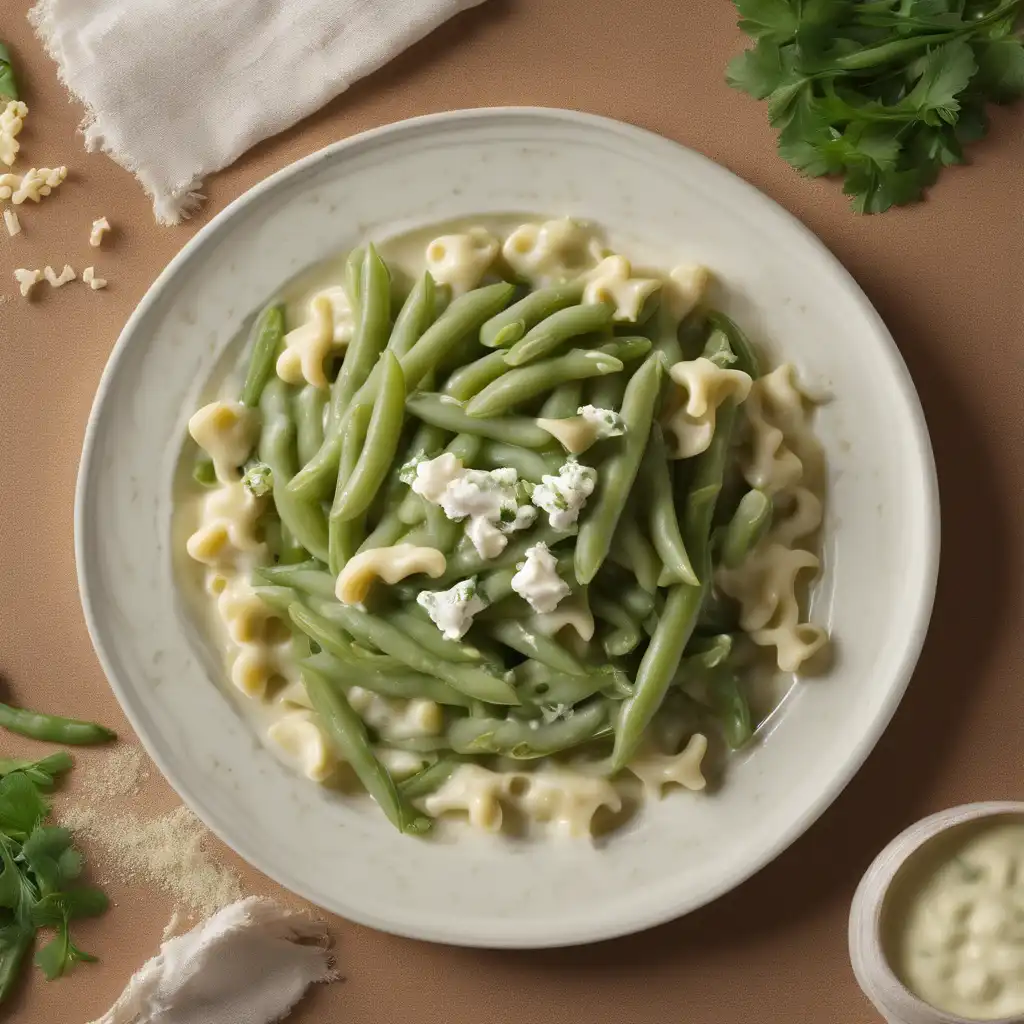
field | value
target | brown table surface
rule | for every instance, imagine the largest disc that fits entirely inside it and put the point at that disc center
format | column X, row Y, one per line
column 947, row 276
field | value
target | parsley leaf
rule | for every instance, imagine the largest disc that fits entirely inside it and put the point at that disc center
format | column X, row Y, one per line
column 8, row 83
column 49, row 855
column 880, row 92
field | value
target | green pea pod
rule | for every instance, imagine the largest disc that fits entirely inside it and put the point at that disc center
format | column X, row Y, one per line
column 52, row 728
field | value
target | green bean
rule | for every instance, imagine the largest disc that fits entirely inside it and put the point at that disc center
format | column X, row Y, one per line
column 607, row 392
column 430, row 638
column 268, row 336
column 703, row 654
column 280, row 599
column 466, row 381
column 348, row 734
column 15, row 941
column 692, row 334
column 526, row 382
column 308, row 578
column 621, row 588
column 371, row 335
column 751, row 520
column 619, row 471
column 679, row 618
column 747, row 358
column 378, row 451
column 511, row 324
column 462, row 318
column 468, row 679
column 509, row 737
column 203, row 472
column 304, row 520
column 385, row 533
column 632, row 550
column 429, row 779
column 354, row 278
column 467, row 562
column 399, row 683
column 666, row 339
column 545, row 649
column 327, row 634
column 528, row 464
column 540, row 684
column 626, row 635
column 309, row 405
column 732, row 709
column 442, row 531
column 446, row 412
column 663, row 523
column 564, row 401
column 53, row 729
column 557, row 329
column 345, row 535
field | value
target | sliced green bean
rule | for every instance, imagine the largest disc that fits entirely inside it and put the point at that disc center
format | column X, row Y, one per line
column 635, row 552
column 625, row 636
column 618, row 473
column 751, row 520
column 307, row 577
column 508, row 326
column 348, row 734
column 468, row 679
column 545, row 649
column 564, row 401
column 526, row 382
column 52, row 728
column 304, row 520
column 309, row 406
column 400, row 682
column 431, row 639
column 527, row 463
column 510, row 737
column 429, row 779
column 466, row 381
column 467, row 562
column 378, row 451
column 345, row 535
column 540, row 684
column 662, row 521
column 444, row 411
column 557, row 330
column 267, row 339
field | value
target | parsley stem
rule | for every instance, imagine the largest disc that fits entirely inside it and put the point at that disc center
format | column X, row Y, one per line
column 876, row 55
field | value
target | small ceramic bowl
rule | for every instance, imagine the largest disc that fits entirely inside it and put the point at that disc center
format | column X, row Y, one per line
column 874, row 974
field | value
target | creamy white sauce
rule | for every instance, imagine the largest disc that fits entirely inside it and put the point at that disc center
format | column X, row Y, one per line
column 954, row 921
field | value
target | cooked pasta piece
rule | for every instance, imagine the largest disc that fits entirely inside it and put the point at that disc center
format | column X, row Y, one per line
column 226, row 431
column 298, row 736
column 612, row 281
column 388, row 564
column 707, row 386
column 461, row 261
column 327, row 330
column 685, row 289
column 656, row 771
column 556, row 250
column 229, row 532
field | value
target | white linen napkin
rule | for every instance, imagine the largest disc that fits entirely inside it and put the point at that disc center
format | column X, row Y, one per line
column 177, row 89
column 248, row 964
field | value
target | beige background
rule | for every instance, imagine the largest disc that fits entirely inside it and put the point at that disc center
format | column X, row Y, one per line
column 948, row 277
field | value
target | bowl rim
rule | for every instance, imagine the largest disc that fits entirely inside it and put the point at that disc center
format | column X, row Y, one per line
column 929, row 533
column 874, row 974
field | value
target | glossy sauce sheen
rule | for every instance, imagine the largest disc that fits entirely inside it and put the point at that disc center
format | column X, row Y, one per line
column 954, row 922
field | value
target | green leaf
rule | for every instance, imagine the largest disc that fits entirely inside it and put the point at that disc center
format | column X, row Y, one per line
column 1001, row 69
column 82, row 901
column 946, row 73
column 757, row 71
column 49, row 854
column 775, row 20
column 42, row 773
column 15, row 941
column 8, row 83
column 21, row 806
column 17, row 892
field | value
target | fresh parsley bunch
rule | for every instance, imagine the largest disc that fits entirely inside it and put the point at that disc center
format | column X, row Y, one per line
column 883, row 92
column 38, row 866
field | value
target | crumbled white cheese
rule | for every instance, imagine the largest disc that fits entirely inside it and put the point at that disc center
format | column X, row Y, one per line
column 12, row 223
column 563, row 496
column 537, row 580
column 488, row 499
column 11, row 120
column 90, row 278
column 34, row 184
column 27, row 280
column 606, row 422
column 99, row 229
column 452, row 610
column 58, row 281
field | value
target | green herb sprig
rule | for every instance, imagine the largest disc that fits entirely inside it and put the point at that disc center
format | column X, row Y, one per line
column 38, row 869
column 883, row 92
column 8, row 83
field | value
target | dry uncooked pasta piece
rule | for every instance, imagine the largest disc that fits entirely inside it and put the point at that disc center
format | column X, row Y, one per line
column 27, row 280
column 94, row 282
column 59, row 280
column 12, row 223
column 99, row 228
column 36, row 183
column 11, row 120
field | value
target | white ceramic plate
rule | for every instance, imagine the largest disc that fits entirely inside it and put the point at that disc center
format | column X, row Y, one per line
column 662, row 204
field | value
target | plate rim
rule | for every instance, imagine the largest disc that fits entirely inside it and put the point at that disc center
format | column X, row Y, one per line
column 903, row 670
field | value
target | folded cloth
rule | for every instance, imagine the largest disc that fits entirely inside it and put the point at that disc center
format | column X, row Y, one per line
column 248, row 964
column 177, row 89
